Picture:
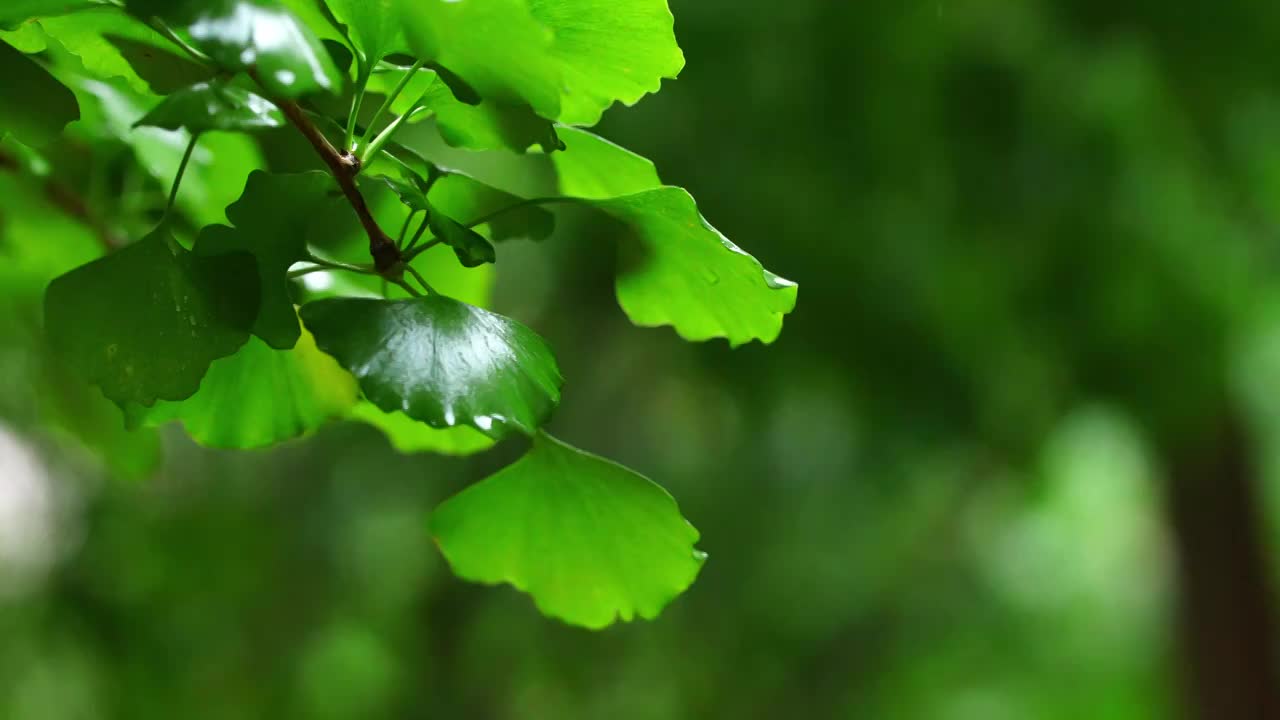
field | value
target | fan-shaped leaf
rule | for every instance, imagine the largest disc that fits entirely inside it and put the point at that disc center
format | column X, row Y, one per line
column 259, row 397
column 146, row 322
column 590, row 540
column 410, row 436
column 441, row 361
column 213, row 106
column 36, row 106
column 688, row 275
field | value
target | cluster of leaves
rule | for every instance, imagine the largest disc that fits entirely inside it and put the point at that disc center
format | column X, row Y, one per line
column 198, row 321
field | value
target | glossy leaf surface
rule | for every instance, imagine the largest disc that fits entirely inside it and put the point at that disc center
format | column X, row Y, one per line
column 687, row 274
column 590, row 540
column 213, row 106
column 273, row 220
column 259, row 397
column 145, row 323
column 440, row 361
column 265, row 37
column 409, row 436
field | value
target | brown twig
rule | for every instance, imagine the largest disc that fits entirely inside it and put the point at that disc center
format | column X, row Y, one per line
column 345, row 167
column 66, row 200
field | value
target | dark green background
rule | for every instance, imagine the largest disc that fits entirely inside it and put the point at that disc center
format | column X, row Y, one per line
column 1037, row 246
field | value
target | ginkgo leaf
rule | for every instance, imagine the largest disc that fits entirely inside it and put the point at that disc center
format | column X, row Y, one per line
column 263, row 37
column 218, row 167
column 259, row 397
column 497, row 46
column 145, row 323
column 609, row 51
column 213, row 105
column 567, row 59
column 590, row 540
column 460, row 196
column 45, row 106
column 274, row 219
column 15, row 12
column 440, row 361
column 688, row 275
column 372, row 25
column 487, row 125
column 470, row 246
column 93, row 36
column 410, row 436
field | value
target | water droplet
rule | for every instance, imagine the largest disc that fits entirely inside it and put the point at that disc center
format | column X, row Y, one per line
column 112, row 349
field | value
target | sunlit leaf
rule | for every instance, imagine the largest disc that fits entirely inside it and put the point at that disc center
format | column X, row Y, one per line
column 609, row 51
column 14, row 12
column 373, row 26
column 590, row 540
column 213, row 106
column 259, row 397
column 145, row 323
column 95, row 36
column 687, row 274
column 488, row 125
column 441, row 361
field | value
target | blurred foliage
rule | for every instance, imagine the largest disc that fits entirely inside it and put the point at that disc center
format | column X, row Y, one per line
column 1038, row 242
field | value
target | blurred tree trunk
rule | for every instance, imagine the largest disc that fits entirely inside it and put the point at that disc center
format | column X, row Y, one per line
column 1227, row 625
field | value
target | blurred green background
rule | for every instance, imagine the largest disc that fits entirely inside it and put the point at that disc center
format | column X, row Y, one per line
column 1016, row 454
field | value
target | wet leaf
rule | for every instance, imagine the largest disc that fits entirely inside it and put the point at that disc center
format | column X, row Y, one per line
column 209, row 106
column 441, row 361
column 145, row 323
column 46, row 106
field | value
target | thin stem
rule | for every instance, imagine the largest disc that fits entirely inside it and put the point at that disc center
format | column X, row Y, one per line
column 409, row 256
column 372, row 148
column 345, row 167
column 517, row 206
column 390, row 99
column 407, row 288
column 362, row 81
column 159, row 26
column 421, row 280
column 336, row 265
column 404, row 230
column 300, row 272
column 422, row 228
column 182, row 169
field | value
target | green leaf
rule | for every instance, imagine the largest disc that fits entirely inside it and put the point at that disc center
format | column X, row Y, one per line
column 590, row 540
column 443, row 362
column 470, row 246
column 94, row 35
column 146, row 322
column 567, row 59
column 688, row 275
column 163, row 71
column 218, row 168
column 259, row 397
column 496, row 46
column 15, row 12
column 485, row 126
column 45, row 106
column 274, row 219
column 409, row 436
column 461, row 196
column 265, row 37
column 213, row 106
column 373, row 26
column 609, row 50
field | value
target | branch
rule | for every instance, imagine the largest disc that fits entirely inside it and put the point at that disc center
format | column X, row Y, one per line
column 345, row 167
column 66, row 200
